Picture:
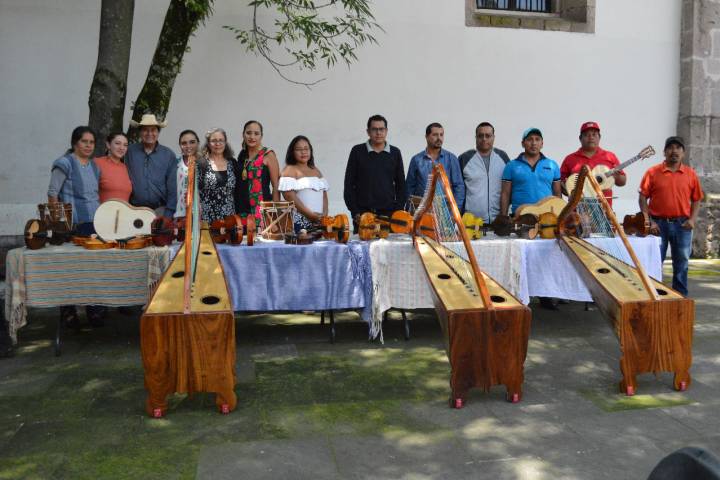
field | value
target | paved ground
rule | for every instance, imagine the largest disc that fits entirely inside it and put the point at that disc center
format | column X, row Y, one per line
column 356, row 409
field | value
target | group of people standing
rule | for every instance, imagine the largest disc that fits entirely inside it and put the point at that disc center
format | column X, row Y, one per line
column 484, row 180
column 487, row 183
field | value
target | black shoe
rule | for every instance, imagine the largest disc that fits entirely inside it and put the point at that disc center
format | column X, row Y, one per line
column 548, row 303
column 95, row 315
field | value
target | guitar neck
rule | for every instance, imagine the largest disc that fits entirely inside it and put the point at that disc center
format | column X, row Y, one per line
column 623, row 165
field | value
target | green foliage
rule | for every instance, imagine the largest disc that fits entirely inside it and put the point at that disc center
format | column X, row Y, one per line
column 308, row 37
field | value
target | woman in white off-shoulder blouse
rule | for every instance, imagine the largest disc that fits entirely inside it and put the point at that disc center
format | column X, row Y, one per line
column 301, row 182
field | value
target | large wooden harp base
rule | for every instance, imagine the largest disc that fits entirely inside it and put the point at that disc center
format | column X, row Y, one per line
column 485, row 346
column 190, row 352
column 655, row 335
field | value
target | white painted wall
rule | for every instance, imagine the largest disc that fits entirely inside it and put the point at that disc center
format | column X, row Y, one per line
column 428, row 67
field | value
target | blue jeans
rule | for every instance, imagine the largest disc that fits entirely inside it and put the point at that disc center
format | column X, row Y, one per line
column 680, row 240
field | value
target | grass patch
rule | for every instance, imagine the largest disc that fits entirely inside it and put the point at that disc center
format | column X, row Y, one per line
column 615, row 402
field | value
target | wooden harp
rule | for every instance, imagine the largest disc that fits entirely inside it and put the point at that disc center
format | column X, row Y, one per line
column 187, row 331
column 485, row 328
column 653, row 322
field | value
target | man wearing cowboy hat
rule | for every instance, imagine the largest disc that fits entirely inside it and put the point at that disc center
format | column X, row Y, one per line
column 152, row 168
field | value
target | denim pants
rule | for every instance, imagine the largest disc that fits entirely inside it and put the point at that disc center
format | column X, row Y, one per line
column 680, row 240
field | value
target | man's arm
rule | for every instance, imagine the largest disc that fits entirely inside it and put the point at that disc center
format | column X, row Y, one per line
column 349, row 185
column 171, row 188
column 556, row 188
column 505, row 193
column 400, row 189
column 642, row 201
column 690, row 222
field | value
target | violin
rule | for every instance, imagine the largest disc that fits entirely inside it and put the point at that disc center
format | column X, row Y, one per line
column 370, row 226
column 36, row 235
column 637, row 224
column 546, row 226
column 335, row 228
column 135, row 243
column 163, row 232
column 95, row 243
column 523, row 226
column 232, row 228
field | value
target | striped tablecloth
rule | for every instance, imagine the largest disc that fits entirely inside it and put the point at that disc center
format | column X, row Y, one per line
column 70, row 275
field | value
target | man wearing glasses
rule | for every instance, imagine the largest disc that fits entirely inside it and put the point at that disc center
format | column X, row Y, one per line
column 375, row 175
column 482, row 170
column 152, row 168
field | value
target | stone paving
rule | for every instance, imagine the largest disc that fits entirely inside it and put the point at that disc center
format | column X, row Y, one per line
column 356, row 409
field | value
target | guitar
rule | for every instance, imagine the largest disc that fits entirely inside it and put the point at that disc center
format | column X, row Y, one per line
column 604, row 175
column 115, row 219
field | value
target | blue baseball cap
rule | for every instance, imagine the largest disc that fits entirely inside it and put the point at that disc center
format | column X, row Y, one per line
column 531, row 131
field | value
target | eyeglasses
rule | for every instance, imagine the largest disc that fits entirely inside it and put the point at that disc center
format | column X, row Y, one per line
column 217, row 141
column 377, row 130
column 189, row 142
column 300, row 150
column 485, row 135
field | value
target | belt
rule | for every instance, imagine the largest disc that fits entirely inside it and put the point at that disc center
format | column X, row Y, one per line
column 670, row 219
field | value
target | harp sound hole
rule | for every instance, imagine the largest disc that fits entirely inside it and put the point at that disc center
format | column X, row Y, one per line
column 210, row 300
column 178, row 274
column 138, row 223
column 603, row 270
column 207, row 252
column 444, row 276
column 661, row 291
column 497, row 298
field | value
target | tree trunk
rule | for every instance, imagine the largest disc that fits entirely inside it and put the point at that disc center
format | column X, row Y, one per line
column 109, row 86
column 180, row 23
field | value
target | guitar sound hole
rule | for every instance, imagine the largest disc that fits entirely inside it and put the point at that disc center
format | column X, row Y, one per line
column 603, row 270
column 497, row 298
column 660, row 291
column 138, row 223
column 210, row 300
column 444, row 276
column 178, row 274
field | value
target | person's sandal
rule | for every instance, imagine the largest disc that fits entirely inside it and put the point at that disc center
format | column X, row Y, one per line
column 69, row 317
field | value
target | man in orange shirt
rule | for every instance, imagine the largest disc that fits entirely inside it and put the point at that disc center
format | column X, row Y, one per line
column 592, row 155
column 674, row 193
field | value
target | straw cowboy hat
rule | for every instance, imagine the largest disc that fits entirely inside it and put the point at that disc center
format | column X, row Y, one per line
column 148, row 120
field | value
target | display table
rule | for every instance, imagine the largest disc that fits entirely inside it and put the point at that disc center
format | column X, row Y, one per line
column 526, row 268
column 270, row 276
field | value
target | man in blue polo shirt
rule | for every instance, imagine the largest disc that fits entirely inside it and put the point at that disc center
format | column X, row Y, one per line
column 531, row 176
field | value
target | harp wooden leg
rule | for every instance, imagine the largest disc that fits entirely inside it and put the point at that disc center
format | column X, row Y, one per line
column 57, row 344
column 628, row 384
column 226, row 401
column 156, row 404
column 681, row 381
column 514, row 392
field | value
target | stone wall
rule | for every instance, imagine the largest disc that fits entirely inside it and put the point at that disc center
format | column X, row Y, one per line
column 567, row 16
column 699, row 112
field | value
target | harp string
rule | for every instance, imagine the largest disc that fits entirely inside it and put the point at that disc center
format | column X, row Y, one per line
column 449, row 238
column 195, row 243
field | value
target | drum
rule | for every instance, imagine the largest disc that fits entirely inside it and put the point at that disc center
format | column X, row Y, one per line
column 58, row 218
column 276, row 219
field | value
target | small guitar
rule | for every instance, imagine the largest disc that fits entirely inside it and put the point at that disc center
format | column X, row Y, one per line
column 115, row 219
column 604, row 175
column 473, row 225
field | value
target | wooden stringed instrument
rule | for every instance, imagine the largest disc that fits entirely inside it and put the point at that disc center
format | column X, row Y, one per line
column 115, row 219
column 653, row 322
column 637, row 224
column 135, row 243
column 35, row 233
column 485, row 328
column 187, row 331
column 473, row 225
column 163, row 231
column 335, row 228
column 603, row 175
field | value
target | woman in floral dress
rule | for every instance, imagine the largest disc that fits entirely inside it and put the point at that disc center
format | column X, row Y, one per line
column 259, row 170
column 217, row 177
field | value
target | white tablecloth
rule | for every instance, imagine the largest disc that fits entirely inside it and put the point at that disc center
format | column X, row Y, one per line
column 526, row 268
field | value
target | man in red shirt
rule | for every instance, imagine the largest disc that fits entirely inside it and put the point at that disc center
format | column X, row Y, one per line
column 591, row 154
column 674, row 193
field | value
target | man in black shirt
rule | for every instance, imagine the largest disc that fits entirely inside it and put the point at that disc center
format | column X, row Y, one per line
column 375, row 175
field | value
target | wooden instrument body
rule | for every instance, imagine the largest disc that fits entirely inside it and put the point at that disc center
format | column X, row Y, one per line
column 336, row 228
column 58, row 220
column 115, row 219
column 636, row 224
column 550, row 203
column 193, row 352
column 35, row 234
column 473, row 225
column 485, row 346
column 655, row 335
